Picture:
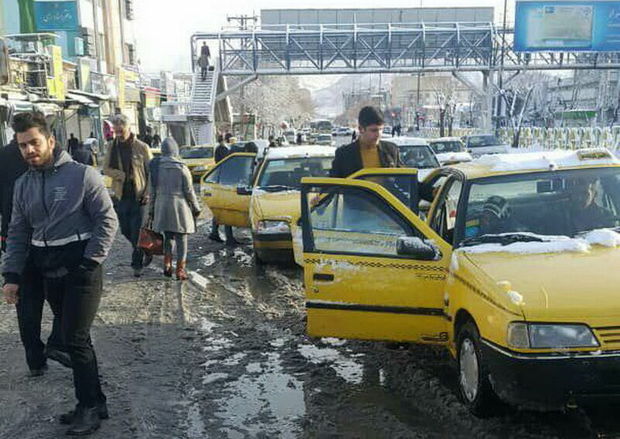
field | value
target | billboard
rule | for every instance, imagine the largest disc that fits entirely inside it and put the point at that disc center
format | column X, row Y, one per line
column 56, row 15
column 567, row 26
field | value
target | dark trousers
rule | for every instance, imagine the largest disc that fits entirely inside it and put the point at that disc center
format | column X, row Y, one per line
column 203, row 72
column 75, row 298
column 29, row 312
column 130, row 216
column 215, row 230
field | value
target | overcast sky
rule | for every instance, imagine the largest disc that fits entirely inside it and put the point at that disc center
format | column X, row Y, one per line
column 164, row 27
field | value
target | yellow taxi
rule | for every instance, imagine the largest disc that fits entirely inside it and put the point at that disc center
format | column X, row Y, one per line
column 514, row 271
column 264, row 197
column 199, row 159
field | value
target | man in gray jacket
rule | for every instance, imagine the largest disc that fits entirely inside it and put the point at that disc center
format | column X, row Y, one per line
column 63, row 225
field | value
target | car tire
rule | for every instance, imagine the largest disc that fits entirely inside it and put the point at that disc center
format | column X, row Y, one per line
column 473, row 378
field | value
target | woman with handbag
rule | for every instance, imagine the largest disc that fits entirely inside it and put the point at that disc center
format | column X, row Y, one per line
column 174, row 206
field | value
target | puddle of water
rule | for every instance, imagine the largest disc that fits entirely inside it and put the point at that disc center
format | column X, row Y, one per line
column 195, row 424
column 346, row 368
column 254, row 401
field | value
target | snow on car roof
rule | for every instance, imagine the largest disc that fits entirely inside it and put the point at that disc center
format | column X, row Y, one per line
column 540, row 160
column 401, row 141
column 445, row 139
column 288, row 152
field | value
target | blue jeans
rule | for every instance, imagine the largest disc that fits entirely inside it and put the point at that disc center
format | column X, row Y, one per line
column 130, row 216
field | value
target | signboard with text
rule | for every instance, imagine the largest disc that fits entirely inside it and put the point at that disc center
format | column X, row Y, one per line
column 567, row 25
column 56, row 15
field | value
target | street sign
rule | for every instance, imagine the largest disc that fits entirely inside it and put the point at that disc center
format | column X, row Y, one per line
column 567, row 25
column 56, row 15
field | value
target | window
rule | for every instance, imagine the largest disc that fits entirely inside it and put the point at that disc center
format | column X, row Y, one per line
column 235, row 171
column 287, row 173
column 403, row 187
column 355, row 221
column 444, row 220
column 129, row 12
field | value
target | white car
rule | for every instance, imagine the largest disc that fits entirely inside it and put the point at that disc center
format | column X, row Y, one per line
column 481, row 144
column 450, row 150
column 415, row 152
column 324, row 139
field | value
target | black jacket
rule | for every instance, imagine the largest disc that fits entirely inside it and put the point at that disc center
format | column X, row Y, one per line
column 83, row 155
column 349, row 158
column 221, row 152
column 12, row 166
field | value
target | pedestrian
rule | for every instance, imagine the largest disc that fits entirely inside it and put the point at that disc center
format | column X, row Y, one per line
column 63, row 224
column 127, row 163
column 368, row 151
column 272, row 141
column 204, row 50
column 299, row 139
column 92, row 144
column 30, row 306
column 173, row 206
column 83, row 155
column 220, row 154
column 156, row 141
column 203, row 63
column 147, row 138
column 250, row 147
column 73, row 143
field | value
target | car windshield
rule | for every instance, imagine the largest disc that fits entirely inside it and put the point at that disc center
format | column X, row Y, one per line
column 447, row 146
column 417, row 156
column 478, row 141
column 565, row 203
column 283, row 174
column 324, row 137
column 197, row 153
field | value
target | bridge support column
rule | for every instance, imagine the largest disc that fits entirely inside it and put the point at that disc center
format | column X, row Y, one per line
column 487, row 99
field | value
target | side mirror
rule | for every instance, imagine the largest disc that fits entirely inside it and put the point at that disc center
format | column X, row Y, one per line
column 416, row 248
column 244, row 190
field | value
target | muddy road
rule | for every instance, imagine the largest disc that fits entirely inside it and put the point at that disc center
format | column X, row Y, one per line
column 226, row 356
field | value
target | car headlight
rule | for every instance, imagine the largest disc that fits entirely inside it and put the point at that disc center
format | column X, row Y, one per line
column 549, row 336
column 268, row 227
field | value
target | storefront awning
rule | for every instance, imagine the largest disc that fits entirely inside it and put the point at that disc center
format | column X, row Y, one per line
column 94, row 96
column 83, row 100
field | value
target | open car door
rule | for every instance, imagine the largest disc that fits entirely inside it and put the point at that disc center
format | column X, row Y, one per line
column 226, row 189
column 401, row 182
column 372, row 268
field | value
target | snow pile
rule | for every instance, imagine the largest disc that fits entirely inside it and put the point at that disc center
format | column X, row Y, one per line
column 554, row 159
column 287, row 152
column 552, row 244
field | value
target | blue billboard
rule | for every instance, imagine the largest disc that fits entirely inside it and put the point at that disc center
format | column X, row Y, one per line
column 56, row 15
column 567, row 26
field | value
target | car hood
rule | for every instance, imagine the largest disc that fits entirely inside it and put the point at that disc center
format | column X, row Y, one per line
column 284, row 205
column 565, row 286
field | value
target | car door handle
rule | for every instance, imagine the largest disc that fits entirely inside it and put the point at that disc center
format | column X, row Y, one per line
column 324, row 277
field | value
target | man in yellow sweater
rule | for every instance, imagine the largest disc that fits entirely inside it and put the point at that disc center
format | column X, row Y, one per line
column 368, row 151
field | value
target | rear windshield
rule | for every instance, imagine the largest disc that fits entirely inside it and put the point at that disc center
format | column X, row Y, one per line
column 420, row 157
column 282, row 174
column 478, row 141
column 447, row 146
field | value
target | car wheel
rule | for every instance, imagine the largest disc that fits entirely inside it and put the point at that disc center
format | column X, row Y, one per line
column 473, row 378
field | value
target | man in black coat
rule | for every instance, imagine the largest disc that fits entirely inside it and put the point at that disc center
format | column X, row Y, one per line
column 12, row 166
column 368, row 151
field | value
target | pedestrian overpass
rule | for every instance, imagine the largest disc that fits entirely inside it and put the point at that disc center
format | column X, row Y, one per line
column 381, row 48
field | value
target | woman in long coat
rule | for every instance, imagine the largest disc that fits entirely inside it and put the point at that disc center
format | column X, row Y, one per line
column 173, row 205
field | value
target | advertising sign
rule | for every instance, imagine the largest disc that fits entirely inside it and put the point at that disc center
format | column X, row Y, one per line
column 56, row 15
column 55, row 83
column 568, row 25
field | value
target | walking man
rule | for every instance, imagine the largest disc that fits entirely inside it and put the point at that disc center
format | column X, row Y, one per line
column 64, row 223
column 368, row 151
column 220, row 154
column 127, row 163
column 73, row 143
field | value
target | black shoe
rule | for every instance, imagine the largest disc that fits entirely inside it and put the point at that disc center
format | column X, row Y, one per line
column 215, row 237
column 33, row 373
column 59, row 356
column 137, row 272
column 85, row 421
column 67, row 418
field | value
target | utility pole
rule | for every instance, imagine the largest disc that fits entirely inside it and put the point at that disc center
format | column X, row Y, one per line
column 501, row 71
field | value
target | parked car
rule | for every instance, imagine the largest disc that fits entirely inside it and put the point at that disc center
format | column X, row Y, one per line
column 450, row 150
column 199, row 159
column 513, row 272
column 415, row 152
column 324, row 139
column 480, row 144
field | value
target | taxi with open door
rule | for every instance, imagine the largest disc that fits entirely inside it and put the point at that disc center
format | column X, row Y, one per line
column 514, row 271
column 264, row 196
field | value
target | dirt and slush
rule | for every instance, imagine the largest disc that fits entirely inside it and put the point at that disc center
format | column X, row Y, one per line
column 226, row 356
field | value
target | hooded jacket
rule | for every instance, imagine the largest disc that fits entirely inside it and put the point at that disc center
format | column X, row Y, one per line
column 58, row 205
